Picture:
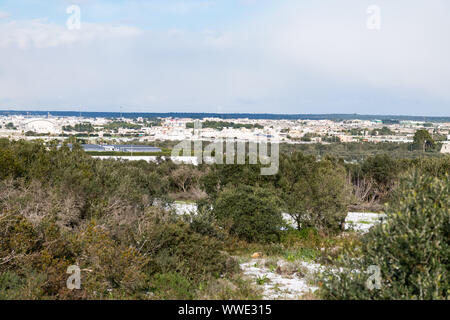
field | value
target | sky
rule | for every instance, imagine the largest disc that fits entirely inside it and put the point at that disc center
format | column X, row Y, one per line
column 230, row 56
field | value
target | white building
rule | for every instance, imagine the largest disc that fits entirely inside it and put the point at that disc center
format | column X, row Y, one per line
column 41, row 126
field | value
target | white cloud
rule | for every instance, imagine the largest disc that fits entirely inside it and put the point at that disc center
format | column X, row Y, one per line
column 4, row 15
column 186, row 7
column 410, row 52
column 41, row 34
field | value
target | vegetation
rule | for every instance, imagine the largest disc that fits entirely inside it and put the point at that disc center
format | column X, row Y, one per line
column 411, row 248
column 423, row 141
column 61, row 207
column 152, row 122
column 252, row 213
column 10, row 126
column 80, row 127
column 35, row 134
column 315, row 193
column 116, row 125
column 375, row 179
column 113, row 219
column 360, row 151
column 220, row 125
column 385, row 131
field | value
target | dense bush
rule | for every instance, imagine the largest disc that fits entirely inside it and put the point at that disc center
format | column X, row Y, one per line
column 411, row 248
column 171, row 286
column 252, row 213
column 173, row 246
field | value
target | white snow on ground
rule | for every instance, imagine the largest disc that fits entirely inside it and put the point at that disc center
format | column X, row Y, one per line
column 182, row 208
column 357, row 221
column 288, row 287
column 362, row 221
column 283, row 287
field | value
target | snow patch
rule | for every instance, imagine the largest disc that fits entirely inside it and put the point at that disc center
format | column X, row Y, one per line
column 362, row 221
column 281, row 287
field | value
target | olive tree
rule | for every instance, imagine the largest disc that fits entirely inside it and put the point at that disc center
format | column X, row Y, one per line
column 315, row 193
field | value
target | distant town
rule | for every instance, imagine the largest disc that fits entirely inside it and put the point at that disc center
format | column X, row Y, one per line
column 99, row 131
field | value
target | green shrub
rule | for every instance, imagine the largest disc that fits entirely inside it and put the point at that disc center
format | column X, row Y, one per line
column 171, row 286
column 233, row 288
column 293, row 237
column 252, row 213
column 10, row 166
column 111, row 268
column 411, row 248
column 273, row 249
column 305, row 254
column 205, row 224
column 18, row 241
column 173, row 246
column 15, row 287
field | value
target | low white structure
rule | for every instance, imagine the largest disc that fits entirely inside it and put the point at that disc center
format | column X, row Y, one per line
column 41, row 126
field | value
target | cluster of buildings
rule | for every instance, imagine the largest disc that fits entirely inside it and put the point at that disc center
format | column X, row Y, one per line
column 178, row 129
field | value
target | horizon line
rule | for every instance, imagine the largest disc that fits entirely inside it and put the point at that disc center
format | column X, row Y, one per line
column 228, row 113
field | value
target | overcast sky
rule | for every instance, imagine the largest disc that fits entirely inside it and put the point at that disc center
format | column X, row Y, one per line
column 257, row 56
